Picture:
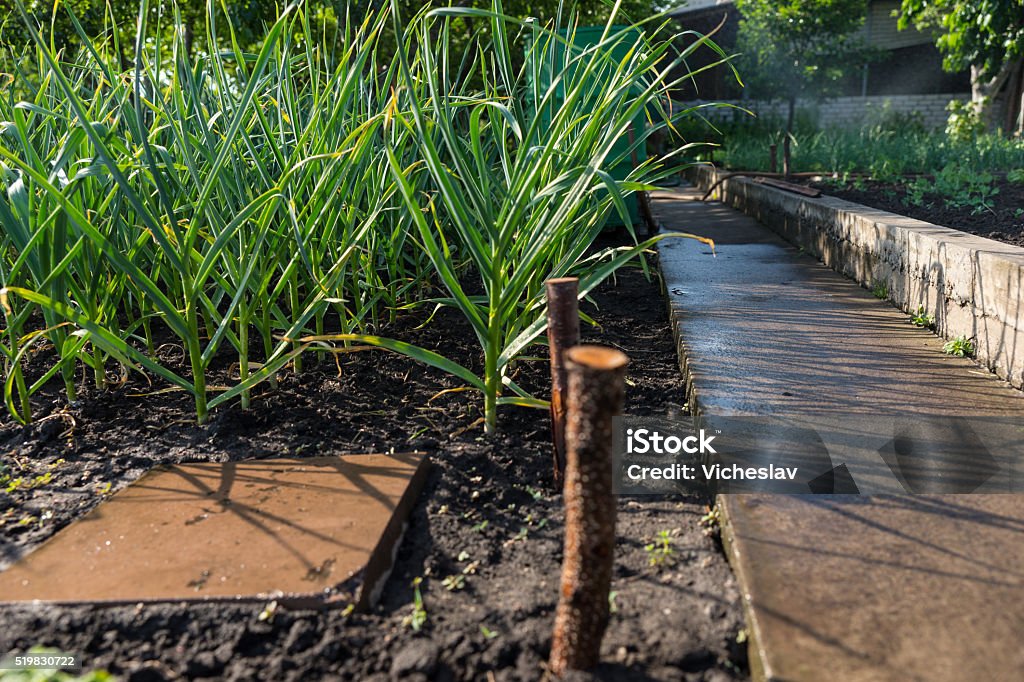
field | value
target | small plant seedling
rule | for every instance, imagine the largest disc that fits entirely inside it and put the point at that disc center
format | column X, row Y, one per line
column 268, row 613
column 961, row 347
column 922, row 319
column 711, row 522
column 534, row 493
column 880, row 291
column 660, row 551
column 454, row 583
column 521, row 535
column 487, row 632
column 612, row 606
column 418, row 618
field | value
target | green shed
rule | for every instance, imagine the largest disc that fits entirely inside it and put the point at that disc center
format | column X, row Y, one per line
column 583, row 37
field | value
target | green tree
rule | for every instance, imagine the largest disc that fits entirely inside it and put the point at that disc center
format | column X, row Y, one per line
column 792, row 49
column 104, row 18
column 986, row 36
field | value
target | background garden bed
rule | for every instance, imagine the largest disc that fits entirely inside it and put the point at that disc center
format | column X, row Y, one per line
column 996, row 212
column 488, row 514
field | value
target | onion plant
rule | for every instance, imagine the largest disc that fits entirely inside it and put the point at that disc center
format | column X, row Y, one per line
column 522, row 195
column 211, row 198
column 262, row 205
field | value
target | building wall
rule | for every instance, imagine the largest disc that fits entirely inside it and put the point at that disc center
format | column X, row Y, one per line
column 907, row 73
column 849, row 111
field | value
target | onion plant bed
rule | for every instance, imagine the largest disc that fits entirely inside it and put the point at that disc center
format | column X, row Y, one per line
column 995, row 211
column 475, row 583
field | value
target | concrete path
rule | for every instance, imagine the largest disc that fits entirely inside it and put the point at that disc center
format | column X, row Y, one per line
column 882, row 587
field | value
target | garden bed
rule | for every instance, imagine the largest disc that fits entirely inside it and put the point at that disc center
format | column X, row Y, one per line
column 489, row 516
column 997, row 213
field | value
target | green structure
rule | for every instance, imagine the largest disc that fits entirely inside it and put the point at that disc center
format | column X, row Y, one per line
column 579, row 39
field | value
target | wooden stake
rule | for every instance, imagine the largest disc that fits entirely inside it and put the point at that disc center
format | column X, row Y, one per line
column 773, row 158
column 596, row 386
column 563, row 334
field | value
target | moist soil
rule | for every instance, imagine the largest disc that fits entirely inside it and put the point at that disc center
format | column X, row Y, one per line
column 489, row 513
column 1002, row 221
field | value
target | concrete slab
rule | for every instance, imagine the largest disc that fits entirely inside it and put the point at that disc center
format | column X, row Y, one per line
column 307, row 532
column 889, row 587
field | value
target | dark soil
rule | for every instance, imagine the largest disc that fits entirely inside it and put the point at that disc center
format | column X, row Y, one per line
column 1000, row 221
column 679, row 621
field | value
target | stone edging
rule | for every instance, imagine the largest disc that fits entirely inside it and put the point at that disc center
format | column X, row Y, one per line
column 971, row 285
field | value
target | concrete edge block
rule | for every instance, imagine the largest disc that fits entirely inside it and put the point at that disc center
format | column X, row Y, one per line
column 970, row 284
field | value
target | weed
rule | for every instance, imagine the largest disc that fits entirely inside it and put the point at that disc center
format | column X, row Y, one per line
column 711, row 522
column 534, row 493
column 487, row 632
column 612, row 606
column 418, row 618
column 453, row 583
column 922, row 319
column 523, row 534
column 961, row 347
column 880, row 290
column 268, row 613
column 660, row 552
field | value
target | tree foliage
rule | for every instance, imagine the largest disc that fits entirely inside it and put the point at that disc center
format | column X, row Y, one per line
column 799, row 48
column 984, row 34
column 249, row 18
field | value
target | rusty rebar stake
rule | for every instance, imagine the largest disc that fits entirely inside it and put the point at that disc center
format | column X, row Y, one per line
column 563, row 334
column 596, row 387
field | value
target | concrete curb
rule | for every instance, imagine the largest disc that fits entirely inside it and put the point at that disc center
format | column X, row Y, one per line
column 971, row 285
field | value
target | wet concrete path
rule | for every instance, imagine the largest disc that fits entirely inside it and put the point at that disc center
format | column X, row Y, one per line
column 870, row 587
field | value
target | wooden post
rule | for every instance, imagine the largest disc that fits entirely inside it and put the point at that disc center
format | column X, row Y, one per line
column 596, row 386
column 773, row 158
column 786, row 168
column 563, row 334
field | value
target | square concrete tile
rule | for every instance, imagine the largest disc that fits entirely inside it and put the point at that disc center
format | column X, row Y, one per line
column 307, row 532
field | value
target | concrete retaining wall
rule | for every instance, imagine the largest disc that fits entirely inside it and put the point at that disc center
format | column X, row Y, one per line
column 971, row 285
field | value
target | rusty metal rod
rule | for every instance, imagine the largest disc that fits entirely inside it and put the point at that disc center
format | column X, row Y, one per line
column 760, row 174
column 563, row 334
column 596, row 387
